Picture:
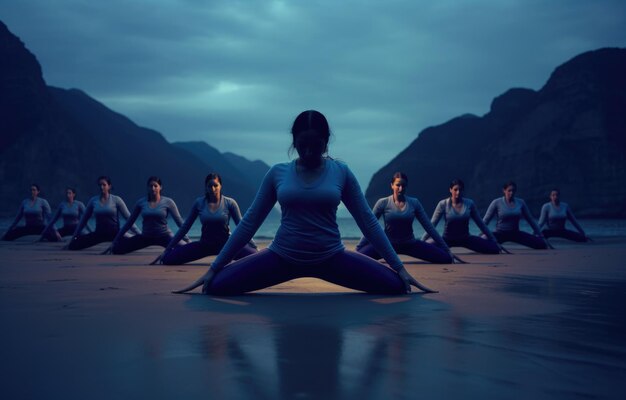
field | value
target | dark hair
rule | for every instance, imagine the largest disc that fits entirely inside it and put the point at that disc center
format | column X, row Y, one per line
column 104, row 178
column 70, row 188
column 509, row 183
column 211, row 176
column 555, row 190
column 153, row 179
column 457, row 181
column 208, row 178
column 36, row 186
column 399, row 175
column 310, row 120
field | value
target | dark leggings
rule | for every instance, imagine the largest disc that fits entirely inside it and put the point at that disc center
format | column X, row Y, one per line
column 23, row 231
column 197, row 250
column 266, row 268
column 91, row 239
column 66, row 230
column 129, row 244
column 520, row 237
column 474, row 243
column 415, row 248
column 565, row 234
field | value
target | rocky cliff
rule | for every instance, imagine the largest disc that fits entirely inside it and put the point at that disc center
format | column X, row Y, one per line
column 570, row 134
column 58, row 138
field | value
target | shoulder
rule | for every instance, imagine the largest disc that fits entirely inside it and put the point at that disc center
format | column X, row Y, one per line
column 497, row 201
column 382, row 202
column 520, row 201
column 143, row 201
column 229, row 201
column 546, row 206
column 564, row 205
column 469, row 202
column 279, row 168
column 93, row 200
column 79, row 203
column 414, row 202
column 443, row 203
column 44, row 202
column 167, row 200
column 117, row 199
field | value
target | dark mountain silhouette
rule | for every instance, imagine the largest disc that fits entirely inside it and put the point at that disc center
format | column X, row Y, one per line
column 571, row 134
column 58, row 138
column 237, row 168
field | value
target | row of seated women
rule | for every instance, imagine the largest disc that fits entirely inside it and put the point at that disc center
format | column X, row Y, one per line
column 215, row 211
column 307, row 242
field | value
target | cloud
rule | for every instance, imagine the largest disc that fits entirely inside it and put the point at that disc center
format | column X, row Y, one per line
column 236, row 73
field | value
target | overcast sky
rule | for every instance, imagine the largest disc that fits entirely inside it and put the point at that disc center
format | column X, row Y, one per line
column 236, row 73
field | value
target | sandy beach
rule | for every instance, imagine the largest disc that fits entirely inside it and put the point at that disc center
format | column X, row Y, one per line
column 534, row 324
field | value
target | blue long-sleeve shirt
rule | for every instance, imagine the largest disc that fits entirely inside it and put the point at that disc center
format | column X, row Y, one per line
column 555, row 217
column 215, row 223
column 508, row 216
column 308, row 232
column 399, row 222
column 35, row 213
column 71, row 214
column 106, row 214
column 457, row 222
column 154, row 219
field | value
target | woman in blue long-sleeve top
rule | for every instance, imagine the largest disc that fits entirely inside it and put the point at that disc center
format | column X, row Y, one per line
column 36, row 212
column 307, row 243
column 215, row 212
column 508, row 210
column 107, row 208
column 154, row 210
column 399, row 211
column 71, row 210
column 555, row 214
column 456, row 211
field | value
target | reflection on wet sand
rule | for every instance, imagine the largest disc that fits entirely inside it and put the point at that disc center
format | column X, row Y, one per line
column 360, row 346
column 333, row 346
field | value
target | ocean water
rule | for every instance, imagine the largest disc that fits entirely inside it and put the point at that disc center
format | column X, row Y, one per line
column 348, row 228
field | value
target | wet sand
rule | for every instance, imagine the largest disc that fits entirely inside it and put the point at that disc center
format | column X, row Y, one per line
column 536, row 324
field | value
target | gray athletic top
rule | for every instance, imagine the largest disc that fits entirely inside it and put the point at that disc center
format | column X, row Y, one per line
column 308, row 232
column 457, row 223
column 399, row 222
column 154, row 222
column 35, row 213
column 215, row 224
column 71, row 214
column 107, row 214
column 508, row 217
column 555, row 217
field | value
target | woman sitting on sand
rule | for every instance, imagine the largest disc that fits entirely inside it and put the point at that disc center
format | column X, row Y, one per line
column 399, row 211
column 215, row 211
column 508, row 210
column 36, row 213
column 307, row 243
column 71, row 210
column 154, row 210
column 106, row 207
column 555, row 214
column 456, row 212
